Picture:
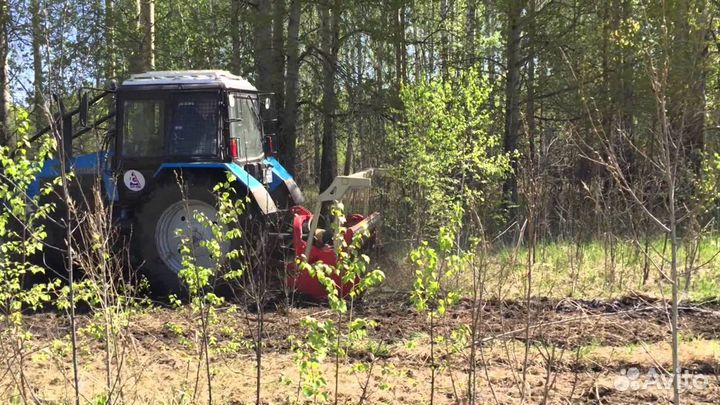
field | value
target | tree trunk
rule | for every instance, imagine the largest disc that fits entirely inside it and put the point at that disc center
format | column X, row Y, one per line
column 626, row 91
column 263, row 45
column 278, row 45
column 379, row 66
column 418, row 50
column 235, row 64
column 431, row 45
column 109, row 40
column 444, row 45
column 353, row 90
column 278, row 67
column 289, row 127
column 607, row 100
column 317, row 153
column 144, row 57
column 147, row 10
column 488, row 32
column 37, row 43
column 4, row 80
column 470, row 33
column 135, row 60
column 697, row 33
column 347, row 167
column 688, row 75
column 357, row 61
column 400, row 51
column 532, row 133
column 330, row 24
column 512, row 96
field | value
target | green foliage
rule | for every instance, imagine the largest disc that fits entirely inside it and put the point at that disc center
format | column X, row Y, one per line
column 22, row 230
column 310, row 352
column 434, row 269
column 709, row 190
column 200, row 280
column 22, row 234
column 184, row 48
column 322, row 338
column 437, row 270
column 444, row 154
column 222, row 248
column 329, row 336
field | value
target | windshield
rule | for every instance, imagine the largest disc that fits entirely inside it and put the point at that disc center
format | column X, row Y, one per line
column 178, row 124
column 194, row 125
column 245, row 125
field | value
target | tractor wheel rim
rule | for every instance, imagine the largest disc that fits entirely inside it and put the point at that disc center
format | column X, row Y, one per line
column 182, row 216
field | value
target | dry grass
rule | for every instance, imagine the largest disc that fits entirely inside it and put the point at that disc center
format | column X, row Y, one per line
column 593, row 342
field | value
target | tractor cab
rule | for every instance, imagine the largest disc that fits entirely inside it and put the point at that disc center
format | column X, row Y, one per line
column 191, row 119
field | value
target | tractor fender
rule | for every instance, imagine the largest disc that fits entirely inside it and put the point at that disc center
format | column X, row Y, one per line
column 91, row 164
column 280, row 177
column 259, row 193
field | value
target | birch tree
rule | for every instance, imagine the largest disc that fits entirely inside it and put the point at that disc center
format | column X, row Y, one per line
column 4, row 80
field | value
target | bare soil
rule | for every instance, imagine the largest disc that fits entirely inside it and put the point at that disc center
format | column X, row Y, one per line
column 578, row 352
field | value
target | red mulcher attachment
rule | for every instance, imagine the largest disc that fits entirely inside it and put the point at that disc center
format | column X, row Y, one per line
column 321, row 248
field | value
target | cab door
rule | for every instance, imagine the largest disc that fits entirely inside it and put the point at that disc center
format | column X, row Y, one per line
column 141, row 143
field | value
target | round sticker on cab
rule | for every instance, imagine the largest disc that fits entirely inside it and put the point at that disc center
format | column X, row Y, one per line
column 134, row 180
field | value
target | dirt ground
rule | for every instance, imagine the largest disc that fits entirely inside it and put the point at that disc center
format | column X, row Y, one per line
column 595, row 352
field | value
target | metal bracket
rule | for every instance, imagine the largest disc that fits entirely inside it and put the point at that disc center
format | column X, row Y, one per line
column 337, row 190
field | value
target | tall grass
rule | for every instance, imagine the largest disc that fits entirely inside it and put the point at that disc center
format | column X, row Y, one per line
column 605, row 268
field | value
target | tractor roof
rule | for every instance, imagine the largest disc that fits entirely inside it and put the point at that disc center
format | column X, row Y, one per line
column 220, row 78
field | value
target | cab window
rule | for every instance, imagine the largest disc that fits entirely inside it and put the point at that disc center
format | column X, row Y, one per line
column 245, row 125
column 194, row 125
column 143, row 128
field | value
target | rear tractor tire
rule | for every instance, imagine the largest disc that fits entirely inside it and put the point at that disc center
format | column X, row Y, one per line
column 155, row 241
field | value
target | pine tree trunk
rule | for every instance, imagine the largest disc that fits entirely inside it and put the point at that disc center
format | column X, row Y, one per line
column 289, row 128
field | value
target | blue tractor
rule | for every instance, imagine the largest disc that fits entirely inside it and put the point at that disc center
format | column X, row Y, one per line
column 194, row 127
